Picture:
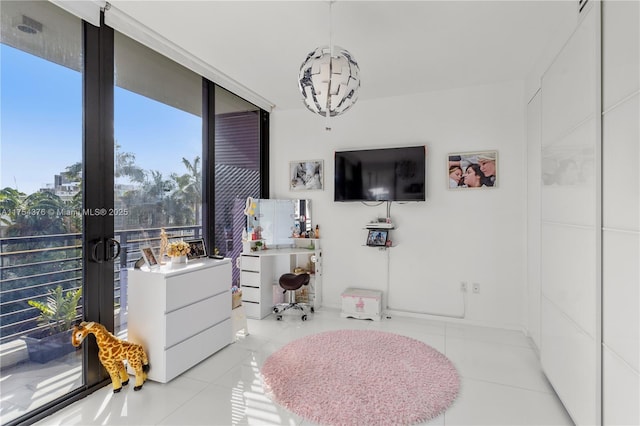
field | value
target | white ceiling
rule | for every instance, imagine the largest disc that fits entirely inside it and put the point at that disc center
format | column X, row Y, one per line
column 402, row 47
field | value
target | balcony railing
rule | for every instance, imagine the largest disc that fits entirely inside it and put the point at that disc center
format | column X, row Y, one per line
column 30, row 267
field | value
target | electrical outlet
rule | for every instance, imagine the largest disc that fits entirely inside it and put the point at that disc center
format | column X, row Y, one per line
column 476, row 287
column 463, row 286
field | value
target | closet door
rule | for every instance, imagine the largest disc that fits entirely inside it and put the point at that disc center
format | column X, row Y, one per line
column 570, row 243
column 533, row 218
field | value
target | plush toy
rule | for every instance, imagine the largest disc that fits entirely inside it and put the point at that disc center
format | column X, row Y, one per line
column 249, row 207
column 112, row 353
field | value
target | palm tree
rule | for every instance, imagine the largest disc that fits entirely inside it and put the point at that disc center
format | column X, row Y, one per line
column 157, row 186
column 11, row 203
column 190, row 186
column 41, row 216
column 125, row 165
column 74, row 172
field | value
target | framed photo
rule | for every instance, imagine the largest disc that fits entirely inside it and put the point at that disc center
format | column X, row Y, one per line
column 306, row 175
column 197, row 247
column 471, row 170
column 377, row 238
column 149, row 257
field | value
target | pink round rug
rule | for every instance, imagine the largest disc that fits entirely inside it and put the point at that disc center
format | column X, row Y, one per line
column 361, row 377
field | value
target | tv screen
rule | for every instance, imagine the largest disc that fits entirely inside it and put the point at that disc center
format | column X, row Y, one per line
column 389, row 174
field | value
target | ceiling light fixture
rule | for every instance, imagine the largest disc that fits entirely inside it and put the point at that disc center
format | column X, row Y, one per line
column 329, row 79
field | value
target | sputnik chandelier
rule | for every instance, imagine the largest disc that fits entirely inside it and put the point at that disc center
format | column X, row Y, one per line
column 329, row 79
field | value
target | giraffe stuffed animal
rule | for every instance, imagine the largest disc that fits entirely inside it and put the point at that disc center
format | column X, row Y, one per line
column 112, row 353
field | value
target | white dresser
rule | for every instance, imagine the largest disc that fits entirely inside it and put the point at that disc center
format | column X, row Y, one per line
column 260, row 271
column 180, row 314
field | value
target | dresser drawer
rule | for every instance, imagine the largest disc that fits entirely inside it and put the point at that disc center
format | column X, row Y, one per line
column 251, row 309
column 193, row 319
column 190, row 352
column 250, row 263
column 249, row 279
column 188, row 288
column 251, row 294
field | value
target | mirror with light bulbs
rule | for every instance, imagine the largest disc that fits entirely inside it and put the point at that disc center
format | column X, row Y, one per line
column 281, row 220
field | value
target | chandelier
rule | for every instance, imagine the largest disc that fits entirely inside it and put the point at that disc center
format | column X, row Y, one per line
column 329, row 79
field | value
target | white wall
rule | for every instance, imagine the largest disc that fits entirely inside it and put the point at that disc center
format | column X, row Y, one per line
column 621, row 212
column 473, row 236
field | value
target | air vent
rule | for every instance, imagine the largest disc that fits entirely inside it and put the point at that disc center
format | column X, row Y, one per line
column 581, row 5
column 28, row 25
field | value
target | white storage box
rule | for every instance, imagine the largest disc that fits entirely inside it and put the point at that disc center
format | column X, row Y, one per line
column 362, row 304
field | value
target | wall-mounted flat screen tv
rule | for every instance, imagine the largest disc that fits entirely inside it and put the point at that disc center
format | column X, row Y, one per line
column 388, row 174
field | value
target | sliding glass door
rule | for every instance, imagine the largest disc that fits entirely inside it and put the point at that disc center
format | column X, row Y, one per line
column 41, row 226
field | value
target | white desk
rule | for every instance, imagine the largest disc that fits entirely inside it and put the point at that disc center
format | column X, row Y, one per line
column 260, row 271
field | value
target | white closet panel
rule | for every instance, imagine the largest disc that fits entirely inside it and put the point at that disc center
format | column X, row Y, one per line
column 621, row 212
column 620, row 51
column 571, row 221
column 621, row 274
column 621, row 391
column 533, row 219
column 621, row 159
column 568, row 364
column 568, row 273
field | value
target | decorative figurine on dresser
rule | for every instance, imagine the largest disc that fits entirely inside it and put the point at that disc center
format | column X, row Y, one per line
column 164, row 245
column 112, row 353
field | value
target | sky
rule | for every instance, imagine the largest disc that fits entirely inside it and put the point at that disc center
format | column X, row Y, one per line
column 41, row 124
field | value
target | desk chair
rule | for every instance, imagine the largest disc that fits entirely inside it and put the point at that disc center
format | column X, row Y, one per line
column 290, row 283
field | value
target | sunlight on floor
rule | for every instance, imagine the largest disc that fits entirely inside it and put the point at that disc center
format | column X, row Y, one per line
column 104, row 406
column 251, row 405
column 55, row 386
column 71, row 374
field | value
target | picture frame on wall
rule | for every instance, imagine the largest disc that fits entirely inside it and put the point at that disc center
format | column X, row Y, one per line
column 472, row 170
column 198, row 248
column 306, row 175
column 149, row 257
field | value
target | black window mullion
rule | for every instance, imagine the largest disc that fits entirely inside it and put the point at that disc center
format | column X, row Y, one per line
column 98, row 152
column 208, row 162
column 264, row 154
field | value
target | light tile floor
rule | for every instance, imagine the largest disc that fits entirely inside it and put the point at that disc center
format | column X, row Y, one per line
column 502, row 382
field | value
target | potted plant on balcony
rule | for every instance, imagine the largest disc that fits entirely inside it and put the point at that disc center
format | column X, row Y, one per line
column 58, row 314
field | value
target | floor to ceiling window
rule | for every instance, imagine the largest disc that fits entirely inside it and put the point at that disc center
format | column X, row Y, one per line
column 40, row 204
column 237, row 168
column 158, row 155
column 103, row 142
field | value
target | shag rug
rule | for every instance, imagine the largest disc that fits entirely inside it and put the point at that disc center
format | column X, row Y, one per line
column 361, row 377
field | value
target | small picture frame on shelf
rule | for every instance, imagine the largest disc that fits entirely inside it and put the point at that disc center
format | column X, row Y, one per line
column 377, row 238
column 149, row 257
column 198, row 249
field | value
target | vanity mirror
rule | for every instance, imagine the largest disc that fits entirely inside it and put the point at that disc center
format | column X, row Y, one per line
column 280, row 219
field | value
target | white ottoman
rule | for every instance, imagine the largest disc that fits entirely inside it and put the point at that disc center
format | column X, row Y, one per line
column 362, row 304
